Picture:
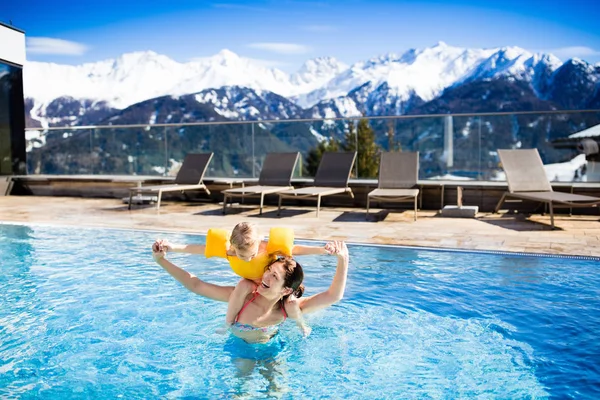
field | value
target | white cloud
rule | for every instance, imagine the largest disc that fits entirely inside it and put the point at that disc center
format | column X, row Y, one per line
column 281, row 48
column 319, row 28
column 46, row 45
column 573, row 51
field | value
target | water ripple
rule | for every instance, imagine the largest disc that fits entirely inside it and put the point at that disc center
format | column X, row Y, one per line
column 87, row 313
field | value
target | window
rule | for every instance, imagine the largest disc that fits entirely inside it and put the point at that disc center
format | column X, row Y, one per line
column 12, row 120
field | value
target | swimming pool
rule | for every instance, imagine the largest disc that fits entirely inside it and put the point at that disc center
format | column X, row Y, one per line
column 87, row 313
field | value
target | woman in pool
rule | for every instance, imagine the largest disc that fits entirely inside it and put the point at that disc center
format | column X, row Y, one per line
column 277, row 297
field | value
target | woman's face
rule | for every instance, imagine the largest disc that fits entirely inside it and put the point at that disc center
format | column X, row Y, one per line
column 272, row 285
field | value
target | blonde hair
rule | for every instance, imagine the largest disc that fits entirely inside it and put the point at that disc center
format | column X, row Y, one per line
column 244, row 235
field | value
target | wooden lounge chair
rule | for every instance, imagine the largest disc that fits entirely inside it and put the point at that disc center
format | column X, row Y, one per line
column 527, row 180
column 398, row 174
column 331, row 178
column 6, row 184
column 188, row 178
column 275, row 176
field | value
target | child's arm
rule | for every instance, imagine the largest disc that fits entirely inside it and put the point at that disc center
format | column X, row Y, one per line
column 299, row 250
column 236, row 300
column 180, row 248
column 292, row 309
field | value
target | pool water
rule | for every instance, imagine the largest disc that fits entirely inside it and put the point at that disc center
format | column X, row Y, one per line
column 87, row 313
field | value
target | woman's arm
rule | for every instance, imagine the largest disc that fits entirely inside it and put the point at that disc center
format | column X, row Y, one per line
column 299, row 250
column 191, row 282
column 293, row 311
column 338, row 286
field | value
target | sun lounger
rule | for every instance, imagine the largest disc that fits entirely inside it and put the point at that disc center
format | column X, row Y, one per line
column 398, row 174
column 275, row 176
column 527, row 180
column 332, row 177
column 188, row 178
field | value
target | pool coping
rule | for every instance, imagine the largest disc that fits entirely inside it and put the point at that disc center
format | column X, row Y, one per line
column 351, row 243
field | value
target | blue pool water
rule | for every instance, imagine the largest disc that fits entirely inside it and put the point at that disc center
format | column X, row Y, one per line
column 86, row 313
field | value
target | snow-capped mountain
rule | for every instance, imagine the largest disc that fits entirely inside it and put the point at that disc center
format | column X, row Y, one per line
column 135, row 77
column 314, row 74
column 229, row 103
column 140, row 76
column 513, row 63
column 391, row 84
column 424, row 73
column 574, row 84
column 240, row 103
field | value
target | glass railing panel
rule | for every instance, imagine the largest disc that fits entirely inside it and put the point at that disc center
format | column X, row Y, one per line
column 129, row 151
column 422, row 135
column 231, row 144
column 283, row 137
column 182, row 140
column 59, row 152
column 547, row 132
column 321, row 136
column 450, row 146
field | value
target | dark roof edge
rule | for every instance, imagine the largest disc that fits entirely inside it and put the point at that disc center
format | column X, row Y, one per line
column 12, row 27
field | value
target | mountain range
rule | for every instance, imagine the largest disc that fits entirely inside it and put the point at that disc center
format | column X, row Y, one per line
column 323, row 87
column 149, row 88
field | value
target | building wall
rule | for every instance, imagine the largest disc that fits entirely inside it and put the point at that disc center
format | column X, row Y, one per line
column 12, row 104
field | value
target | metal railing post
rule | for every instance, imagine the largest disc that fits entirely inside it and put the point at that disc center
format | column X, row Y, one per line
column 92, row 151
column 166, row 152
column 253, row 157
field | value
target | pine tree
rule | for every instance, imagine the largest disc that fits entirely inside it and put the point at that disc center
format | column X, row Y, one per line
column 313, row 157
column 390, row 135
column 363, row 142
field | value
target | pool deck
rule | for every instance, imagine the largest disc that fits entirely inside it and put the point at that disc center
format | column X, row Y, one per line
column 575, row 235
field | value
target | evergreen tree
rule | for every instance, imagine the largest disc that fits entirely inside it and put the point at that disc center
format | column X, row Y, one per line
column 391, row 133
column 314, row 155
column 363, row 142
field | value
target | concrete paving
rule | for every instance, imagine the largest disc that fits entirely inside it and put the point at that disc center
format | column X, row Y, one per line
column 575, row 235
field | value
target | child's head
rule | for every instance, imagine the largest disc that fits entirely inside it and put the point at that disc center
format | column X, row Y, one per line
column 245, row 241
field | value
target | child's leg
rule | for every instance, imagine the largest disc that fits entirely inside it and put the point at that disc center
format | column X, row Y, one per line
column 237, row 298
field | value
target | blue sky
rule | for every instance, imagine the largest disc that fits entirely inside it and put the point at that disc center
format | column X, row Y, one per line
column 285, row 33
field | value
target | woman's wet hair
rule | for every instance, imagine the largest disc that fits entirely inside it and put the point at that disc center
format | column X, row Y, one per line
column 294, row 275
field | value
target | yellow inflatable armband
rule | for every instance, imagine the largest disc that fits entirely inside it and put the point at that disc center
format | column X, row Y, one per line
column 281, row 241
column 216, row 243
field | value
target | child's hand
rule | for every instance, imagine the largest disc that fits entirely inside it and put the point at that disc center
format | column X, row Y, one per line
column 329, row 248
column 162, row 245
column 338, row 248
